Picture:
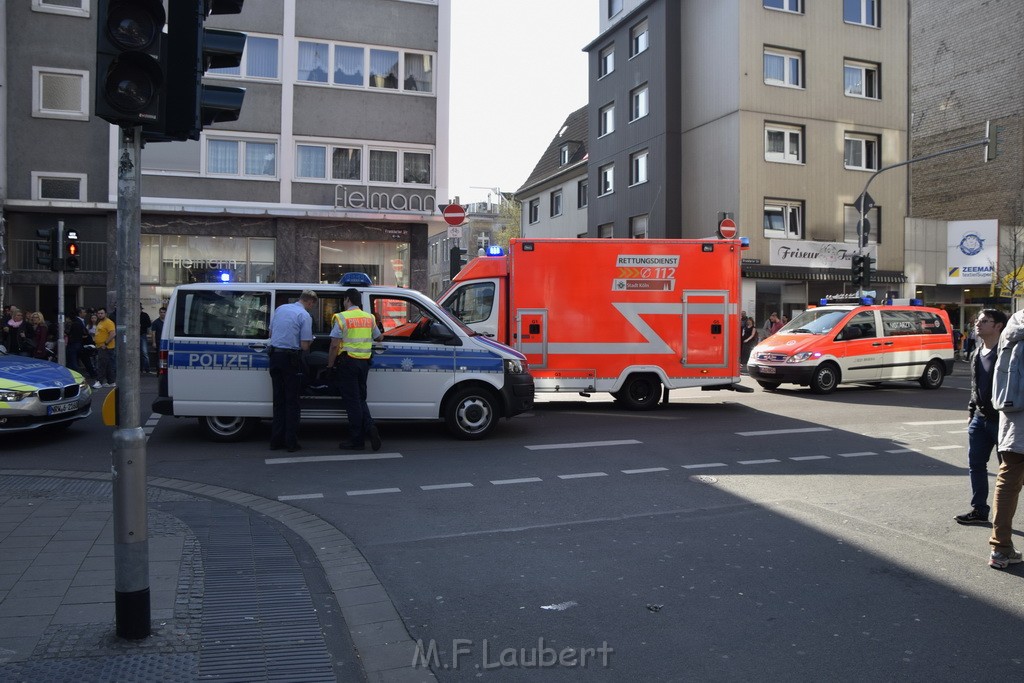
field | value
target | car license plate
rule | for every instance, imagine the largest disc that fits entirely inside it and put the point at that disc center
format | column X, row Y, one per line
column 766, row 369
column 62, row 408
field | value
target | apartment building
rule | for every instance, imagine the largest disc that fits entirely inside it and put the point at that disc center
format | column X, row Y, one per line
column 335, row 164
column 774, row 111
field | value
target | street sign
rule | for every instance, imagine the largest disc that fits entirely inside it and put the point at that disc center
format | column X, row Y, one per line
column 454, row 214
column 864, row 203
column 455, row 232
column 727, row 229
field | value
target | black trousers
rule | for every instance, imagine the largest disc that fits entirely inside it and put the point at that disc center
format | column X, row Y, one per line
column 352, row 374
column 286, row 372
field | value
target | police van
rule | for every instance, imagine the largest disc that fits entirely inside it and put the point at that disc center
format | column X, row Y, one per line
column 214, row 361
column 832, row 344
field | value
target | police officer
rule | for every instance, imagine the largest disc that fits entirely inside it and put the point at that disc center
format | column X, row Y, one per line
column 352, row 337
column 291, row 333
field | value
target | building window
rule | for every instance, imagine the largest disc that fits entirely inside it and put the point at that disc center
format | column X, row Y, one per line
column 60, row 93
column 783, row 67
column 606, row 61
column 863, row 12
column 862, row 79
column 260, row 59
column 183, row 157
column 383, row 166
column 639, row 38
column 416, row 168
column 638, row 105
column 850, row 219
column 606, row 231
column 419, row 72
column 365, row 67
column 638, row 168
column 614, row 7
column 638, row 227
column 606, row 178
column 313, row 62
column 862, row 152
column 581, row 194
column 606, row 120
column 556, row 203
column 783, row 143
column 384, row 69
column 77, row 8
column 795, row 6
column 563, row 155
column 246, row 158
column 66, row 187
column 783, row 219
column 534, row 211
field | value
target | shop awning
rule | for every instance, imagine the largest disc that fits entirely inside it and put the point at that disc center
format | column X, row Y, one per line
column 884, row 277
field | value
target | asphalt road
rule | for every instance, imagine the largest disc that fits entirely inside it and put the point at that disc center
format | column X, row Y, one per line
column 778, row 536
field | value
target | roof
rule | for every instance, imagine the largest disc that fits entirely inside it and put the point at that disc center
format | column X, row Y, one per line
column 572, row 132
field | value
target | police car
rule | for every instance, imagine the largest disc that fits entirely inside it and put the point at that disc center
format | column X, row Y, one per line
column 38, row 393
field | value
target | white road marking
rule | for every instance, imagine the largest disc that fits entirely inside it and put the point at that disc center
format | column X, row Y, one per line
column 857, row 455
column 645, row 470
column 371, row 492
column 438, row 487
column 301, row 496
column 524, row 480
column 583, row 475
column 332, row 458
column 770, row 432
column 811, row 457
column 902, row 450
column 944, row 448
column 757, row 462
column 935, row 422
column 958, row 431
column 583, row 444
column 631, row 416
column 704, row 464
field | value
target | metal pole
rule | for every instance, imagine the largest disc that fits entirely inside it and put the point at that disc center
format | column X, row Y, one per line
column 131, row 538
column 61, row 344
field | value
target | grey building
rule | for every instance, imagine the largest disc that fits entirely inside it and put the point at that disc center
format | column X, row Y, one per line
column 335, row 164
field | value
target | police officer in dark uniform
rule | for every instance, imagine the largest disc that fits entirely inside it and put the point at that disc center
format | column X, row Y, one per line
column 291, row 333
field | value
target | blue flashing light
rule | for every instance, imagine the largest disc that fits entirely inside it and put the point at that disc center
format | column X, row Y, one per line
column 744, row 242
column 867, row 301
column 887, row 302
column 355, row 280
column 225, row 276
column 917, row 302
column 495, row 250
column 823, row 302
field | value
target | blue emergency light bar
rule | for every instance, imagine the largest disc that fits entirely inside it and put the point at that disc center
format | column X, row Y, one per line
column 355, row 280
column 495, row 250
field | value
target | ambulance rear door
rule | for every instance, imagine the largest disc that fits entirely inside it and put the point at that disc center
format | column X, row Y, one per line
column 707, row 334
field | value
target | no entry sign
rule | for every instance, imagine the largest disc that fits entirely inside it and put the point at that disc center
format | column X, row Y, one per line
column 727, row 229
column 454, row 214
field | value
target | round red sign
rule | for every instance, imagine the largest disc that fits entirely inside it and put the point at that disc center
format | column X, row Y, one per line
column 454, row 214
column 727, row 228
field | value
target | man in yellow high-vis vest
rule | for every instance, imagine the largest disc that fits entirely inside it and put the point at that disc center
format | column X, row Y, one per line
column 352, row 335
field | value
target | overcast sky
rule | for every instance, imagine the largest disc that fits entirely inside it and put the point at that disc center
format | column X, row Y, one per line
column 518, row 69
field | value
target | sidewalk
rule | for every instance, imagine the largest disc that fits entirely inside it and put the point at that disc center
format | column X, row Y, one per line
column 242, row 588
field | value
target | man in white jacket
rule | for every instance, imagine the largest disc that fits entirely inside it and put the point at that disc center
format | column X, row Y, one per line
column 1011, row 444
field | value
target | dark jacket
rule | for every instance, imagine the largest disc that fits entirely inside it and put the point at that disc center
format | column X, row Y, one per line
column 77, row 332
column 982, row 403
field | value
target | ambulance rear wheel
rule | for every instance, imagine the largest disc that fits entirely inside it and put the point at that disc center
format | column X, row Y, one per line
column 640, row 392
column 933, row 376
column 471, row 413
column 825, row 378
column 227, row 429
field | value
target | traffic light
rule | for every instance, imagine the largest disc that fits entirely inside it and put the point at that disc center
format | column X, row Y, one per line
column 71, row 251
column 861, row 267
column 129, row 62
column 994, row 135
column 191, row 50
column 48, row 251
column 457, row 259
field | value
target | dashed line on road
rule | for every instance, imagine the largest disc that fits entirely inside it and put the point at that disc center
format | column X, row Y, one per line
column 810, row 457
column 703, row 465
column 645, row 470
column 934, row 422
column 583, row 444
column 331, row 458
column 371, row 492
column 439, row 487
column 943, row 448
column 758, row 462
column 300, row 496
column 583, row 475
column 902, row 450
column 859, row 454
column 524, row 480
column 771, row 432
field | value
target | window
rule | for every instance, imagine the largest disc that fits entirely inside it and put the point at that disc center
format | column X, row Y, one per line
column 59, row 186
column 606, row 120
column 349, row 65
column 253, row 158
column 224, row 314
column 581, row 194
column 606, row 231
column 383, row 166
column 606, row 175
column 77, row 8
column 384, row 69
column 638, row 168
column 260, row 59
column 311, row 162
column 783, row 67
column 863, row 12
column 614, row 7
column 563, row 155
column 850, row 219
column 639, row 38
column 556, row 203
column 638, row 227
column 606, row 61
column 365, row 67
column 60, row 93
column 862, row 152
column 638, row 103
column 534, row 211
column 416, row 168
column 173, row 157
column 783, row 219
column 473, row 303
column 419, row 72
column 861, row 79
column 783, row 143
column 795, row 6
column 313, row 63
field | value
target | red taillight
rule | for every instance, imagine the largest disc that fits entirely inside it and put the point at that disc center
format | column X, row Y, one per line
column 162, row 368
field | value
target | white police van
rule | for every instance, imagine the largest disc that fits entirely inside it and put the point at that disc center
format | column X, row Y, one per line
column 214, row 361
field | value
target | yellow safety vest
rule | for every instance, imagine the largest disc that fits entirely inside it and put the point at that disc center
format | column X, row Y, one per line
column 357, row 339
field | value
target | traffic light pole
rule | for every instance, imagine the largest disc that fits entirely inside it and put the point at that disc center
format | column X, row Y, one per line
column 61, row 343
column 131, row 536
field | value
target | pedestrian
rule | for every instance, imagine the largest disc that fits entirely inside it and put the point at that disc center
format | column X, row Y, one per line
column 748, row 342
column 983, row 420
column 17, row 339
column 105, row 339
column 144, row 325
column 774, row 324
column 38, row 335
column 157, row 329
column 1007, row 397
column 352, row 336
column 291, row 334
column 77, row 357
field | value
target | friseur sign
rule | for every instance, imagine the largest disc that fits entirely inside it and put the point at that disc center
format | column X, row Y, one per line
column 807, row 254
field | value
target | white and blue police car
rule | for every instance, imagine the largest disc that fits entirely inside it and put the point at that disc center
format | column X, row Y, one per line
column 39, row 393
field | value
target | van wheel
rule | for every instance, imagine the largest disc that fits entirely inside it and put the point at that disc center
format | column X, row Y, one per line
column 640, row 392
column 825, row 378
column 770, row 386
column 227, row 429
column 471, row 413
column 933, row 376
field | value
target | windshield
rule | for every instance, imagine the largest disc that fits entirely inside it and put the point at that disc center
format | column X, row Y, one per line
column 815, row 321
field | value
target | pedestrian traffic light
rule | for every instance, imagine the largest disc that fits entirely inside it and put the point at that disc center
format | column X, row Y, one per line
column 71, row 251
column 457, row 259
column 129, row 61
column 48, row 251
column 191, row 50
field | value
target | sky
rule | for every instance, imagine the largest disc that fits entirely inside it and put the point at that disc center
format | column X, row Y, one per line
column 518, row 70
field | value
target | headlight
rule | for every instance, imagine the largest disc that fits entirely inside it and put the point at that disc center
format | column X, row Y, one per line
column 11, row 396
column 514, row 367
column 803, row 356
column 84, row 388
